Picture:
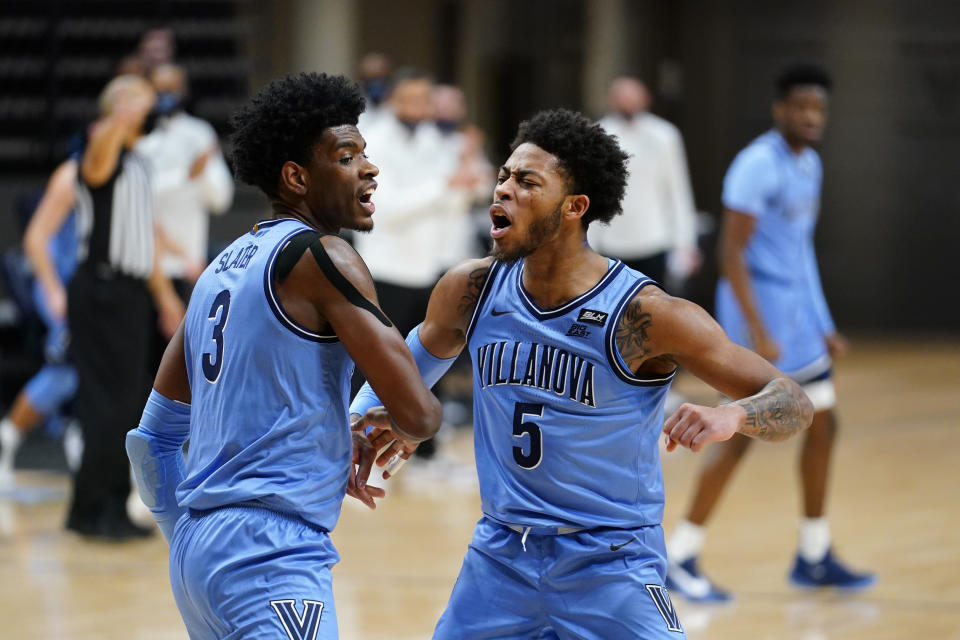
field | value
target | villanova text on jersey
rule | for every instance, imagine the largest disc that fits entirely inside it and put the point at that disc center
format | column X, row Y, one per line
column 547, row 367
column 565, row 434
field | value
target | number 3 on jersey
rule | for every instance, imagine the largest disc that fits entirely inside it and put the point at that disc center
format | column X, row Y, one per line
column 212, row 363
column 520, row 411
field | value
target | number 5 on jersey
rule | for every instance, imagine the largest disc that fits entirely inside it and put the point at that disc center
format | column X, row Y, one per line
column 213, row 363
column 531, row 459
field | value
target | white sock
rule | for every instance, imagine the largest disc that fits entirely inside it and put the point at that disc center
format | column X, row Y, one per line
column 814, row 539
column 686, row 541
column 10, row 439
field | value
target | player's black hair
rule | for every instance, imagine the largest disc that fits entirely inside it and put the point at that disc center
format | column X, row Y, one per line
column 593, row 161
column 285, row 120
column 802, row 73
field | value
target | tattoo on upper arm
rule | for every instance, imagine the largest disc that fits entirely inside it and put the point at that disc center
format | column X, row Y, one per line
column 632, row 339
column 468, row 301
column 780, row 410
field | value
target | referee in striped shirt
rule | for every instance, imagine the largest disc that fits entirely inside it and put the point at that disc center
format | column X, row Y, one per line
column 109, row 306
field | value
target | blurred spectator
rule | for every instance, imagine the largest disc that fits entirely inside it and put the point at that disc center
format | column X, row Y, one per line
column 157, row 46
column 422, row 178
column 656, row 234
column 374, row 78
column 108, row 305
column 51, row 246
column 464, row 143
column 190, row 178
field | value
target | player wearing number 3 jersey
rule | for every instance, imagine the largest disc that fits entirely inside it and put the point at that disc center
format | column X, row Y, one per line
column 573, row 354
column 258, row 378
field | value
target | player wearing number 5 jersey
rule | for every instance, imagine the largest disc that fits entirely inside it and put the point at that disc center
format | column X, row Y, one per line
column 258, row 378
column 573, row 354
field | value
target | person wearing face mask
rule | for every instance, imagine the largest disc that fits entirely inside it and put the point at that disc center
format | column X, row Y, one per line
column 374, row 78
column 421, row 181
column 657, row 233
column 191, row 181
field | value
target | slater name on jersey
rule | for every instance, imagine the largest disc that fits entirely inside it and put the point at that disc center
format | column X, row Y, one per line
column 535, row 365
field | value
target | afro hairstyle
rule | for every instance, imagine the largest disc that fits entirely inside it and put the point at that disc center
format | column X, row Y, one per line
column 285, row 120
column 800, row 74
column 590, row 157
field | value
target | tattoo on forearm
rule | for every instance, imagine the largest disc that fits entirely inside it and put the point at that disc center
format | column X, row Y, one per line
column 780, row 410
column 632, row 339
column 474, row 285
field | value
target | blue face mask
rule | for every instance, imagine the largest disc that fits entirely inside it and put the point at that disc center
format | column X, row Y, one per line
column 447, row 126
column 167, row 103
column 376, row 91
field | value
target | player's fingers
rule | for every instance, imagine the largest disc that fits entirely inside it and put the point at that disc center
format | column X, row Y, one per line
column 670, row 444
column 367, row 455
column 386, row 454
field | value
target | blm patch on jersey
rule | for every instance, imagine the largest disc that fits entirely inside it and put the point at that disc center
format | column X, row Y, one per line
column 598, row 318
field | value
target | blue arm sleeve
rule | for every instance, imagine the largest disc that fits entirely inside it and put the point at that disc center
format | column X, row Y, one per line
column 155, row 449
column 430, row 366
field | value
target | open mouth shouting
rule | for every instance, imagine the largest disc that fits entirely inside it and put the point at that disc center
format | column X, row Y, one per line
column 365, row 197
column 501, row 221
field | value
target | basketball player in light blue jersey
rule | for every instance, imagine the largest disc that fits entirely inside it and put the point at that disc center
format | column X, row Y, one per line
column 573, row 354
column 257, row 377
column 50, row 243
column 770, row 298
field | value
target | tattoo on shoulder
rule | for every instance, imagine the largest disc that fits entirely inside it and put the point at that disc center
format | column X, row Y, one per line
column 632, row 339
column 468, row 301
column 776, row 413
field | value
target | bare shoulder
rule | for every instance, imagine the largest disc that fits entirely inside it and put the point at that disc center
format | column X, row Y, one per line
column 460, row 287
column 345, row 259
column 655, row 328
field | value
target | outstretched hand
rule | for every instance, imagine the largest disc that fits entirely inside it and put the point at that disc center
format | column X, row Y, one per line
column 693, row 426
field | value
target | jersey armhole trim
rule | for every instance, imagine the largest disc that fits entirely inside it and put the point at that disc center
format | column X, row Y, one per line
column 482, row 298
column 273, row 300
column 617, row 363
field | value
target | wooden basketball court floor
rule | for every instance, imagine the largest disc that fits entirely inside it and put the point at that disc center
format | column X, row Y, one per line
column 894, row 507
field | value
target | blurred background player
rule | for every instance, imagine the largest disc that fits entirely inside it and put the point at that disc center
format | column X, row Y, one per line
column 657, row 234
column 258, row 378
column 770, row 298
column 578, row 351
column 51, row 246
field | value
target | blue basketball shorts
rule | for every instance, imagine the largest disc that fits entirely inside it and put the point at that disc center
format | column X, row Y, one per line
column 595, row 584
column 246, row 572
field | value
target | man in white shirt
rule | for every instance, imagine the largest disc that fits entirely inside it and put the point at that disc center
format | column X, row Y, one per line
column 657, row 233
column 191, row 178
column 424, row 180
column 420, row 176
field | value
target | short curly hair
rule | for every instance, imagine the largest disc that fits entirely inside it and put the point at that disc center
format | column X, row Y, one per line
column 595, row 164
column 285, row 120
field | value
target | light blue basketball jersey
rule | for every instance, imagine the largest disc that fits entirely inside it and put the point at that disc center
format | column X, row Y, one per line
column 565, row 435
column 781, row 191
column 269, row 423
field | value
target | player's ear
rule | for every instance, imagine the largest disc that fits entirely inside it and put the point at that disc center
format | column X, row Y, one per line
column 777, row 111
column 575, row 206
column 293, row 178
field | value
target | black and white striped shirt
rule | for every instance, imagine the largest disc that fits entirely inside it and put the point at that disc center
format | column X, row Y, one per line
column 115, row 220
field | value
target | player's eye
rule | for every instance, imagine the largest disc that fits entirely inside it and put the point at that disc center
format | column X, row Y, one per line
column 347, row 159
column 501, row 178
